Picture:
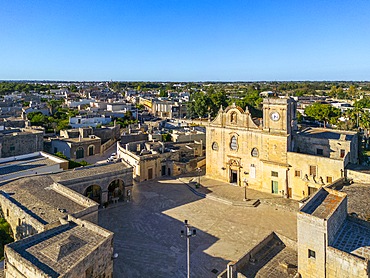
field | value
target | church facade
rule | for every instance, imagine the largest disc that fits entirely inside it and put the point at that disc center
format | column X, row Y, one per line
column 271, row 155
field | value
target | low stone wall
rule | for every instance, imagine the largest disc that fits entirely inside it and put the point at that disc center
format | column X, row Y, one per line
column 358, row 176
column 22, row 222
column 107, row 145
column 339, row 263
column 337, row 182
column 234, row 267
column 17, row 264
column 201, row 162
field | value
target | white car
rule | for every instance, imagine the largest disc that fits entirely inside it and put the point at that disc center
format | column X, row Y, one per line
column 112, row 158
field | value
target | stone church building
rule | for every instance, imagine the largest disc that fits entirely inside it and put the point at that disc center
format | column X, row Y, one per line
column 272, row 155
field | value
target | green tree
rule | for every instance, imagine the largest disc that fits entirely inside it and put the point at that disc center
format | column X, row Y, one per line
column 166, row 137
column 323, row 112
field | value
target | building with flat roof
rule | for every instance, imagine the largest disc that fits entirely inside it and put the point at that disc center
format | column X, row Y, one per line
column 54, row 219
column 30, row 164
column 34, row 204
column 75, row 248
column 19, row 141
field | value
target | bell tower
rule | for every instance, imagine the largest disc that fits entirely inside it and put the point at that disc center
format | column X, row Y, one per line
column 279, row 115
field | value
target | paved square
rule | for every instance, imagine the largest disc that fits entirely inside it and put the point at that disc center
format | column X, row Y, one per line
column 147, row 231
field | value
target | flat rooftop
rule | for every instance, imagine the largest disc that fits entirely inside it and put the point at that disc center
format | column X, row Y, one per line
column 76, row 140
column 18, row 165
column 354, row 238
column 324, row 133
column 358, row 196
column 35, row 196
column 90, row 171
column 58, row 250
column 323, row 203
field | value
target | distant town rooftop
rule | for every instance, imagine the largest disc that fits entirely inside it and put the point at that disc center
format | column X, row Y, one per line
column 324, row 133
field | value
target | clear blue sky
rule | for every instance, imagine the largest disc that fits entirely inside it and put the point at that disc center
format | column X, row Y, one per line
column 173, row 40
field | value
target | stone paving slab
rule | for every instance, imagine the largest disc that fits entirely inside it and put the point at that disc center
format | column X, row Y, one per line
column 233, row 194
column 147, row 231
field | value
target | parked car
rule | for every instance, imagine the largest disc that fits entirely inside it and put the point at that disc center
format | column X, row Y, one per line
column 113, row 157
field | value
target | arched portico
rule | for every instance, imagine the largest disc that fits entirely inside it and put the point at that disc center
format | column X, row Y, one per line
column 106, row 177
column 94, row 192
column 116, row 190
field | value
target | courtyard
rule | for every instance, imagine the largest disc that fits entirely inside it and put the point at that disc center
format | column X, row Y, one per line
column 147, row 230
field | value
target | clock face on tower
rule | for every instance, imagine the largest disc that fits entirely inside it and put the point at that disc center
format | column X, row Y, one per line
column 275, row 116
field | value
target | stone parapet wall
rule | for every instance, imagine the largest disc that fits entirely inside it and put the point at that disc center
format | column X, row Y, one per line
column 73, row 195
column 342, row 264
column 21, row 221
column 18, row 267
column 358, row 176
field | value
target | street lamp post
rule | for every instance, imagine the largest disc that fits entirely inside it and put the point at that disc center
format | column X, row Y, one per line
column 188, row 233
column 199, row 171
column 245, row 189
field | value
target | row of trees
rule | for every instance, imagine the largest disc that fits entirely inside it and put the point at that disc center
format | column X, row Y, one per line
column 207, row 103
column 354, row 118
column 9, row 87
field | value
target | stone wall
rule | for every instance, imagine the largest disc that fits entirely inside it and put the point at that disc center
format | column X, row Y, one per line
column 98, row 260
column 108, row 133
column 18, row 267
column 107, row 145
column 21, row 143
column 342, row 264
column 311, row 236
column 85, row 145
column 358, row 176
column 103, row 180
column 91, row 211
column 331, row 147
column 22, row 222
column 335, row 221
column 326, row 169
column 128, row 138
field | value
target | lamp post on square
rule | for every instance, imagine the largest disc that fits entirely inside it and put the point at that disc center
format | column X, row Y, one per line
column 188, row 233
column 245, row 189
column 199, row 171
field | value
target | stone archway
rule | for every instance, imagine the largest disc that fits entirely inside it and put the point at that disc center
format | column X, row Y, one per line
column 94, row 192
column 116, row 190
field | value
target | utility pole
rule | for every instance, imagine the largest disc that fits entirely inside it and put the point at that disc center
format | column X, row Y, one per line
column 188, row 233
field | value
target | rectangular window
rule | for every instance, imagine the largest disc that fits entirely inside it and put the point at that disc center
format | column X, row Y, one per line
column 319, row 151
column 274, row 174
column 252, row 171
column 312, row 170
column 311, row 254
column 342, row 153
column 297, row 173
column 329, row 179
